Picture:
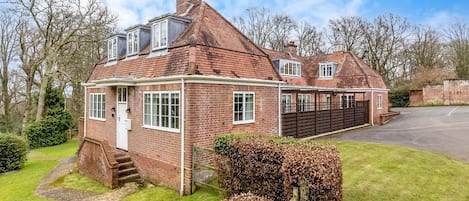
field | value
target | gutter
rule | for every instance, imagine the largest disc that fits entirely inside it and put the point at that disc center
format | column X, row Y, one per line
column 279, row 110
column 372, row 105
column 84, row 119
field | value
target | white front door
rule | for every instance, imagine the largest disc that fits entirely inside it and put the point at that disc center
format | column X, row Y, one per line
column 121, row 138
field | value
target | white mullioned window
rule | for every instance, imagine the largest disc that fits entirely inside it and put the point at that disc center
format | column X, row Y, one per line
column 159, row 36
column 290, row 68
column 132, row 42
column 347, row 101
column 380, row 101
column 327, row 70
column 326, row 102
column 243, row 107
column 286, row 103
column 304, row 102
column 112, row 49
column 161, row 110
column 98, row 106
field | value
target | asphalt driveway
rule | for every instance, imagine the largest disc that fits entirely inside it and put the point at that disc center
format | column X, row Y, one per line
column 437, row 129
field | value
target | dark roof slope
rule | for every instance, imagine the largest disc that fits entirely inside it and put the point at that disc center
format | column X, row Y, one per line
column 351, row 71
column 216, row 46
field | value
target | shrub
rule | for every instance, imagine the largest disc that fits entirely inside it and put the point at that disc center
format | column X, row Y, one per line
column 51, row 130
column 272, row 166
column 399, row 98
column 247, row 197
column 13, row 150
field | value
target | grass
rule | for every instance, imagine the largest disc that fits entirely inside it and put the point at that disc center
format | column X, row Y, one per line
column 79, row 182
column 161, row 193
column 20, row 185
column 386, row 172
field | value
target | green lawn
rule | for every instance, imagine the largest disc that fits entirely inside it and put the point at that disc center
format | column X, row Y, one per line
column 386, row 172
column 20, row 185
column 159, row 193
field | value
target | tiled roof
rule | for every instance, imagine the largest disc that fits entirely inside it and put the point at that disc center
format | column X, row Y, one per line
column 351, row 71
column 219, row 49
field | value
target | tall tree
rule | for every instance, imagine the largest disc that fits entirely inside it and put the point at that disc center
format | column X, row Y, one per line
column 309, row 40
column 457, row 34
column 257, row 25
column 283, row 26
column 347, row 31
column 426, row 49
column 60, row 24
column 385, row 38
column 8, row 50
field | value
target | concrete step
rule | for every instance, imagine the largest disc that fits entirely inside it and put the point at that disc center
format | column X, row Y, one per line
column 123, row 159
column 125, row 165
column 127, row 171
column 129, row 178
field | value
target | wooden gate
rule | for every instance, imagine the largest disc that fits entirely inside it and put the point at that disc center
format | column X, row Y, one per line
column 300, row 124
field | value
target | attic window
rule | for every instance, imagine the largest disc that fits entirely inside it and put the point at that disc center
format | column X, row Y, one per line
column 112, row 49
column 290, row 68
column 327, row 70
column 132, row 42
column 159, row 36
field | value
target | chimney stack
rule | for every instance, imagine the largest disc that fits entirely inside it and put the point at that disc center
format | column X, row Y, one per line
column 338, row 48
column 291, row 48
column 183, row 6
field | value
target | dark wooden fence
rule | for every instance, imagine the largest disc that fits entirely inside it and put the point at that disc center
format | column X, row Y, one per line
column 300, row 124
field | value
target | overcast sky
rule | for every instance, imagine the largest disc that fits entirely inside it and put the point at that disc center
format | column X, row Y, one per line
column 318, row 12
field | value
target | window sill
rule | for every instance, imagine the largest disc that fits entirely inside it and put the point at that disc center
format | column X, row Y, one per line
column 325, row 78
column 131, row 57
column 292, row 76
column 172, row 130
column 96, row 119
column 110, row 63
column 243, row 122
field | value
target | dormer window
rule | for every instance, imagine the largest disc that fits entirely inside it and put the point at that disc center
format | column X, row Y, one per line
column 327, row 70
column 112, row 49
column 288, row 67
column 159, row 35
column 132, row 42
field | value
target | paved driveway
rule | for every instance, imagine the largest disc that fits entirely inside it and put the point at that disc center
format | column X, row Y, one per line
column 437, row 129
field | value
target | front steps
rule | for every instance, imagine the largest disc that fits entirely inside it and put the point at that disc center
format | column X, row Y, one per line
column 127, row 172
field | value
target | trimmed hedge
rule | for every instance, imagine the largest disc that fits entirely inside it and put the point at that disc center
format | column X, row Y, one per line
column 51, row 130
column 13, row 150
column 273, row 166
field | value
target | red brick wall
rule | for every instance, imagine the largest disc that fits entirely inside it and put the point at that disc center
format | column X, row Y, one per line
column 375, row 115
column 98, row 129
column 416, row 98
column 433, row 95
column 456, row 92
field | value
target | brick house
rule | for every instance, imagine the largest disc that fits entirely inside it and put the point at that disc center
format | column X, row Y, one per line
column 183, row 78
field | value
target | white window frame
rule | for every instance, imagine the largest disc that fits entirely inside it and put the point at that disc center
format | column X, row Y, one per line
column 160, row 117
column 133, row 44
column 244, row 120
column 286, row 103
column 304, row 102
column 112, row 49
column 97, row 107
column 349, row 101
column 159, row 35
column 327, row 70
column 380, row 102
column 290, row 68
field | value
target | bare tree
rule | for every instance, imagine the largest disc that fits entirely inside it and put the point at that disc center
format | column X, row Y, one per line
column 347, row 31
column 283, row 27
column 385, row 38
column 61, row 24
column 309, row 40
column 457, row 34
column 426, row 49
column 257, row 25
column 8, row 46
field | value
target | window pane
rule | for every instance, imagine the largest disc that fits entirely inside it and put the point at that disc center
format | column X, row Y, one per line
column 147, row 109
column 175, row 110
column 238, row 107
column 103, row 107
column 156, row 110
column 157, row 35
column 165, row 110
column 249, row 107
column 164, row 34
column 135, row 49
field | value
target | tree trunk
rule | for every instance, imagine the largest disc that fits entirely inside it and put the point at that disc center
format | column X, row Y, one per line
column 28, row 108
column 6, row 99
column 42, row 97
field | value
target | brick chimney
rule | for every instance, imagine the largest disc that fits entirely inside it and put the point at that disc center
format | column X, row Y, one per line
column 291, row 48
column 183, row 6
